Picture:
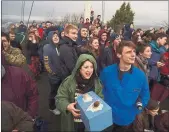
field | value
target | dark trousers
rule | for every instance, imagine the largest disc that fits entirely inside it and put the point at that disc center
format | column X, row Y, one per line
column 79, row 126
column 53, row 93
column 117, row 128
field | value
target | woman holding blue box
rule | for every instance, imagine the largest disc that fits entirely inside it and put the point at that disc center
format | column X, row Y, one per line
column 82, row 80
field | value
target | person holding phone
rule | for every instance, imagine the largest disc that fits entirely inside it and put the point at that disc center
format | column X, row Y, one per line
column 154, row 62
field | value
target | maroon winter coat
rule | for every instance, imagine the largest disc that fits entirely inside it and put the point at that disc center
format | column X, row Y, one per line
column 20, row 89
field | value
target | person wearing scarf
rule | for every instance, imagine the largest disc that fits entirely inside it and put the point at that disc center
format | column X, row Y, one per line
column 154, row 61
column 82, row 80
column 144, row 53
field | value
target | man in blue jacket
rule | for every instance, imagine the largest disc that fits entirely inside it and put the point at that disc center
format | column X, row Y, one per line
column 124, row 85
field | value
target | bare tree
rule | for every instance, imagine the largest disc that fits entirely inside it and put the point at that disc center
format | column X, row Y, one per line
column 66, row 19
column 75, row 18
column 165, row 24
column 72, row 18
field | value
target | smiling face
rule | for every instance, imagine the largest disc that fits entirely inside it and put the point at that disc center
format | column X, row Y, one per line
column 95, row 44
column 72, row 34
column 84, row 32
column 55, row 39
column 128, row 55
column 86, row 70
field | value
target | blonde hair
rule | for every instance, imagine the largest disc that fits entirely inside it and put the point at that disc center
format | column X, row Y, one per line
column 70, row 27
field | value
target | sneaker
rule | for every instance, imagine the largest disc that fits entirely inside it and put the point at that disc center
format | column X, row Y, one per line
column 55, row 111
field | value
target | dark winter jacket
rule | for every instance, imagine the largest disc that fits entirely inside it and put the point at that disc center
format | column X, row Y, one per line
column 127, row 32
column 15, row 44
column 31, row 50
column 40, row 48
column 109, row 57
column 162, row 122
column 14, row 118
column 22, row 28
column 68, row 55
column 52, row 60
column 143, row 121
column 53, row 28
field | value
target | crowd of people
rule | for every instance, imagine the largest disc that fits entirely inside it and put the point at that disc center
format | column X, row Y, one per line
column 129, row 70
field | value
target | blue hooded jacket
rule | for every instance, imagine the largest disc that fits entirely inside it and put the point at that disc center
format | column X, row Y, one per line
column 155, row 57
column 52, row 60
column 122, row 95
column 163, row 49
column 127, row 32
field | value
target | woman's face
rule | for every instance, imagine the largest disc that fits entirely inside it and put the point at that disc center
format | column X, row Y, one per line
column 86, row 70
column 95, row 44
column 147, row 53
column 117, row 41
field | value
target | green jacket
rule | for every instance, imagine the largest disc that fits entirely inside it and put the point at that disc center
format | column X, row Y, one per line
column 66, row 93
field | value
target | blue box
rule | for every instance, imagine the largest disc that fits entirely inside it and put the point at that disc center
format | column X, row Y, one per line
column 94, row 118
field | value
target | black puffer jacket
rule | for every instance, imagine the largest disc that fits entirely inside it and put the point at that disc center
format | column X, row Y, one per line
column 68, row 55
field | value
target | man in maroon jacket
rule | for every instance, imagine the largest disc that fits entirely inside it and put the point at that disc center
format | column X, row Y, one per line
column 19, row 88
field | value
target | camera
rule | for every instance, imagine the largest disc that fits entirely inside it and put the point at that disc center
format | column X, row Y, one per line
column 139, row 104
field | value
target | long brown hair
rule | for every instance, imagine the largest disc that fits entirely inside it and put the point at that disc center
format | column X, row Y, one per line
column 89, row 47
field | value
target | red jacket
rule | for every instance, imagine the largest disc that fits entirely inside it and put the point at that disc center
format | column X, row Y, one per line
column 19, row 88
column 41, row 31
column 165, row 69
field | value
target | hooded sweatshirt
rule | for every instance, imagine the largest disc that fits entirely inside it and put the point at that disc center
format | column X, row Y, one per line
column 51, row 59
column 67, row 89
column 80, row 40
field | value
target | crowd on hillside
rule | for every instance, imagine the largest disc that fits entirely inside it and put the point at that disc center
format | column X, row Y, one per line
column 129, row 70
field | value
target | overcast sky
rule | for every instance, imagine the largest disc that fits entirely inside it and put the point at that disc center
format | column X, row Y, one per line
column 146, row 12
